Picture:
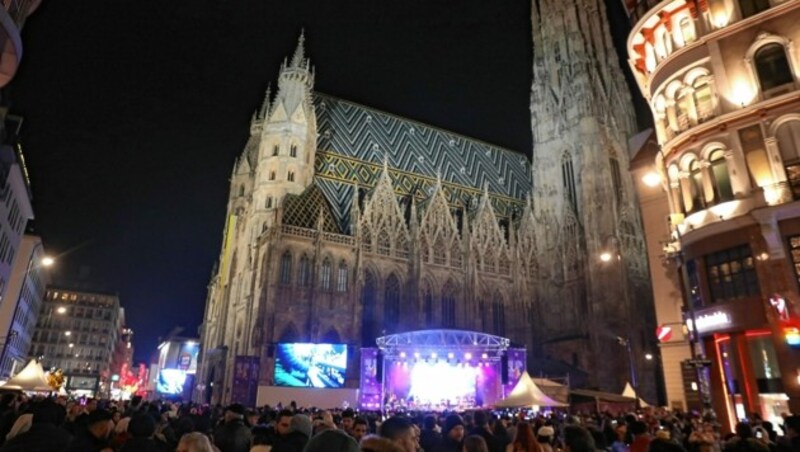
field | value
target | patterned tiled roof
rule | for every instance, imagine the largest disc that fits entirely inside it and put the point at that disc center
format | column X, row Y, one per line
column 354, row 140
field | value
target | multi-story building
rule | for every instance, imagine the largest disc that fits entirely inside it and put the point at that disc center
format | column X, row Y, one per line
column 77, row 332
column 721, row 78
column 345, row 223
column 122, row 358
column 20, row 309
column 15, row 209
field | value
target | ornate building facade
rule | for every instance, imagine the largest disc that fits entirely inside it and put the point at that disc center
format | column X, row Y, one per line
column 345, row 223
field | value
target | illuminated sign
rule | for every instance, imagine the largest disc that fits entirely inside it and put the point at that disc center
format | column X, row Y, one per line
column 664, row 333
column 779, row 304
column 716, row 320
column 792, row 336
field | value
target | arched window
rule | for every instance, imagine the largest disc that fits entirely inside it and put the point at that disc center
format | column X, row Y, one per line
column 687, row 30
column 499, row 317
column 275, row 150
column 272, row 175
column 752, row 7
column 788, row 137
column 427, row 302
column 290, row 176
column 325, row 275
column 568, row 180
column 305, row 272
column 268, row 202
column 449, row 305
column 391, row 303
column 682, row 102
column 722, row 178
column 703, row 100
column 286, row 268
column 341, row 281
column 368, row 324
column 241, row 190
column 755, row 154
column 293, row 151
column 772, row 67
column 696, row 186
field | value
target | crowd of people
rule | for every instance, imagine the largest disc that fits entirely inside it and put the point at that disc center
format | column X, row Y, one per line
column 58, row 424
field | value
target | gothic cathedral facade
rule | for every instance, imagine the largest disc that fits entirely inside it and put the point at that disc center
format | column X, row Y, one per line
column 345, row 223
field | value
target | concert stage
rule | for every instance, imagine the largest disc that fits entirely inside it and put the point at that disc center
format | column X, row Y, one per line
column 438, row 370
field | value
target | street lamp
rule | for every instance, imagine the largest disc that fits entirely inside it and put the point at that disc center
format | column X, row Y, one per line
column 61, row 310
column 626, row 342
column 605, row 256
column 67, row 333
column 47, row 261
column 648, row 356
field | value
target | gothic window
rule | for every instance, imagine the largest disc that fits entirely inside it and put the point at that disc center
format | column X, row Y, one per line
column 391, row 309
column 772, row 66
column 504, row 263
column 268, row 202
column 722, row 178
column 401, row 247
column 366, row 238
column 275, row 150
column 455, row 255
column 439, row 252
column 241, row 190
column 286, row 268
column 752, row 7
column 368, row 324
column 290, row 176
column 425, row 250
column 293, row 151
column 272, row 175
column 325, row 275
column 568, row 179
column 427, row 301
column 305, row 272
column 341, row 282
column 499, row 316
column 449, row 305
column 384, row 243
column 616, row 178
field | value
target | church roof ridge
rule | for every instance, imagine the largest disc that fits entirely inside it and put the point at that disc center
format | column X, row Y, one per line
column 423, row 124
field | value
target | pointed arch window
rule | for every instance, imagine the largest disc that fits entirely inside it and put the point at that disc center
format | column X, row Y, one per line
column 772, row 67
column 286, row 268
column 449, row 305
column 499, row 316
column 268, row 202
column 275, row 150
column 616, row 178
column 723, row 191
column 325, row 275
column 568, row 180
column 241, row 190
column 427, row 306
column 272, row 175
column 304, row 276
column 341, row 281
column 391, row 305
column 290, row 176
column 368, row 323
column 384, row 243
column 439, row 252
column 293, row 151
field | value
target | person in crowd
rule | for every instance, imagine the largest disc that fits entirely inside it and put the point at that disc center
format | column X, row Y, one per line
column 744, row 441
column 195, row 442
column 452, row 435
column 332, row 440
column 524, row 441
column 501, row 433
column 374, row 443
column 300, row 430
column 360, row 429
column 95, row 430
column 545, row 437
column 262, row 439
column 400, row 431
column 348, row 419
column 44, row 434
column 641, row 437
column 577, row 439
column 141, row 428
column 482, row 429
column 619, row 443
column 429, row 437
column 475, row 443
column 791, row 440
column 232, row 435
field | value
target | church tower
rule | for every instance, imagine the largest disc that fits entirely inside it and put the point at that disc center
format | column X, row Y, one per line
column 593, row 269
column 287, row 127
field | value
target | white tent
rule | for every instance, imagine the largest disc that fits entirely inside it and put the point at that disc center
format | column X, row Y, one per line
column 629, row 392
column 31, row 378
column 526, row 394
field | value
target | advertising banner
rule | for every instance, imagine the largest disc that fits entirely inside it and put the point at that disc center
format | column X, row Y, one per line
column 245, row 380
column 370, row 395
column 516, row 367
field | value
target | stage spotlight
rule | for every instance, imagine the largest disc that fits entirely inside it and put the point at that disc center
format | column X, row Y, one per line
column 485, row 356
column 434, row 355
column 402, row 354
column 416, row 355
column 450, row 355
column 467, row 356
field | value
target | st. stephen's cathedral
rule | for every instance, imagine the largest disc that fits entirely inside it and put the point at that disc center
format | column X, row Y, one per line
column 345, row 223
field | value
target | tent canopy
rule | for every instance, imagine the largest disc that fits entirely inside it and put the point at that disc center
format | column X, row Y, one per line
column 629, row 392
column 526, row 394
column 30, row 378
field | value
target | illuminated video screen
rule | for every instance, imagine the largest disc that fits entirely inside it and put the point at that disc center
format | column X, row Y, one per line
column 302, row 365
column 171, row 381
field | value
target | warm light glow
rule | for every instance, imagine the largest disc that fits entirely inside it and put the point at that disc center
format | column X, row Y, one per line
column 468, row 355
column 71, row 345
column 724, row 210
column 67, row 333
column 743, row 93
column 648, row 356
column 652, row 179
column 48, row 261
column 721, row 19
column 61, row 310
column 605, row 256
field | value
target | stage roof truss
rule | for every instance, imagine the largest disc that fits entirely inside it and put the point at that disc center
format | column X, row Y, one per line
column 426, row 341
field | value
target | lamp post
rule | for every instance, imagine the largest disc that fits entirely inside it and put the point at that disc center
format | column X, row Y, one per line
column 626, row 342
column 46, row 261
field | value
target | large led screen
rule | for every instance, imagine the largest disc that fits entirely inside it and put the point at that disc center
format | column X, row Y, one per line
column 310, row 365
column 171, row 381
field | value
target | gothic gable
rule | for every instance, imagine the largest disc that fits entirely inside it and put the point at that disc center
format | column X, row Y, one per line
column 439, row 237
column 383, row 227
column 488, row 241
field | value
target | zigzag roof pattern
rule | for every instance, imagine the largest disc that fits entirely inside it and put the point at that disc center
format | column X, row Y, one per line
column 354, row 140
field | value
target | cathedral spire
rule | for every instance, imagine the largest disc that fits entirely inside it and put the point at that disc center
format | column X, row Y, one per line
column 299, row 59
column 264, row 111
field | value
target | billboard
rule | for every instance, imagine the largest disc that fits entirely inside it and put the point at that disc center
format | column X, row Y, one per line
column 303, row 365
column 245, row 380
column 171, row 381
column 179, row 354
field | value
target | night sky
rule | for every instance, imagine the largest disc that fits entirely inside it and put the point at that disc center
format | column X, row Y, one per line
column 135, row 110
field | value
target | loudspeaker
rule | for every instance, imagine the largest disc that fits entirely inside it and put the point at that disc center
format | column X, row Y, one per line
column 504, row 369
column 379, row 367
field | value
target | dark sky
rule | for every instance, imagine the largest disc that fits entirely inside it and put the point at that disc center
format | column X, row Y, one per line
column 135, row 110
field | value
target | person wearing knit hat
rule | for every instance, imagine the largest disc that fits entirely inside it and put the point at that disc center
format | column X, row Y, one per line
column 453, row 434
column 331, row 441
column 545, row 437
